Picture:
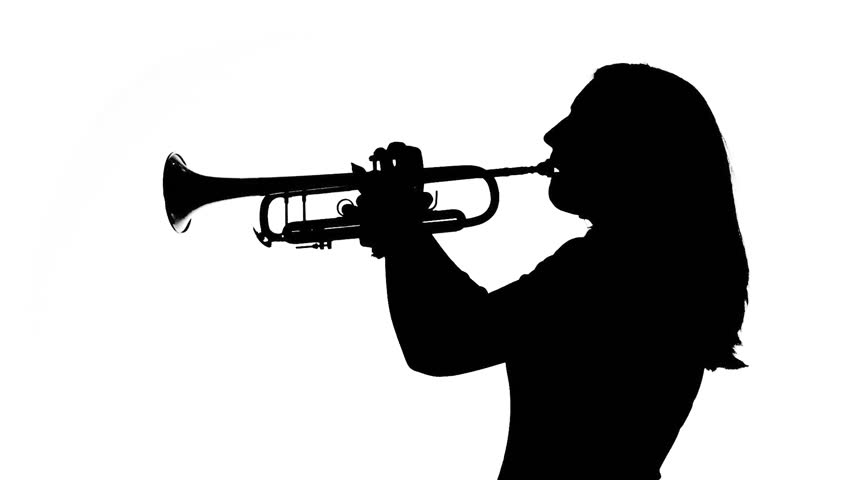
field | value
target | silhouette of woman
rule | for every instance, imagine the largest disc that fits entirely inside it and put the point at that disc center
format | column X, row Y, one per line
column 606, row 341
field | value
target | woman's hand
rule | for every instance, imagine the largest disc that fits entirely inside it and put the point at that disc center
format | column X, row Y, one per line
column 392, row 203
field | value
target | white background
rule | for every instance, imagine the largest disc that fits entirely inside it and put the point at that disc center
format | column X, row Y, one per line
column 129, row 352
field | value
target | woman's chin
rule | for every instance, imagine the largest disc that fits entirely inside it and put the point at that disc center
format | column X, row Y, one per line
column 566, row 202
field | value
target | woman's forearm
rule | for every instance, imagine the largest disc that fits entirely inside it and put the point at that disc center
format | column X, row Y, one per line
column 440, row 315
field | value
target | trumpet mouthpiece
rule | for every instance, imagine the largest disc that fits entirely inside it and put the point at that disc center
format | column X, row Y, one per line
column 546, row 168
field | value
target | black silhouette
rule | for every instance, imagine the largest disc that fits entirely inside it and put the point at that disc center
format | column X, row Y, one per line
column 606, row 341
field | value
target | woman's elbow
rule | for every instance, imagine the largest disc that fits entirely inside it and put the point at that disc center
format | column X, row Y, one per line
column 437, row 370
column 430, row 366
column 431, row 363
column 443, row 365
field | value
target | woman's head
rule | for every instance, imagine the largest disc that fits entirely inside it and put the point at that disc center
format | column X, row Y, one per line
column 641, row 147
column 639, row 142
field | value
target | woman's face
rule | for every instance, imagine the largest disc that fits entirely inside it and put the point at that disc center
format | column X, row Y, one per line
column 574, row 188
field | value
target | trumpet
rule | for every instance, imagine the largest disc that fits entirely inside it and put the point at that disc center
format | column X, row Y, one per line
column 185, row 191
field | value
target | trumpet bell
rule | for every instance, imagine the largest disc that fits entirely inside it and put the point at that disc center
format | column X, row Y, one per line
column 175, row 193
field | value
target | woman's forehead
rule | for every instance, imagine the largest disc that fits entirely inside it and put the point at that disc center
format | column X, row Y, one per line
column 584, row 97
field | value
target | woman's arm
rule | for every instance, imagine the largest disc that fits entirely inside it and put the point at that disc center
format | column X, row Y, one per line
column 448, row 325
column 442, row 318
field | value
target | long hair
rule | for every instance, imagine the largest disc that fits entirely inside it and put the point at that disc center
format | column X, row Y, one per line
column 674, row 163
